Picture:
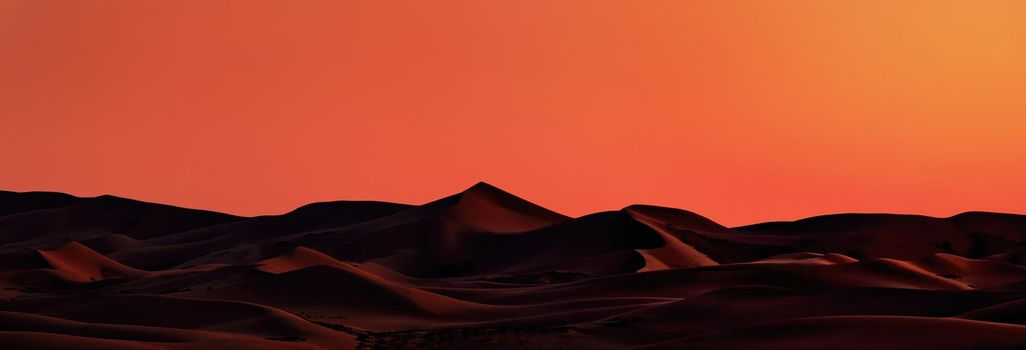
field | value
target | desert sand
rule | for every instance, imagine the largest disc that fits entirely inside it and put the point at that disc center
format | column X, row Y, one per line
column 486, row 269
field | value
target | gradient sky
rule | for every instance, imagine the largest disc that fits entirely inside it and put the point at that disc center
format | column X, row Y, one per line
column 743, row 111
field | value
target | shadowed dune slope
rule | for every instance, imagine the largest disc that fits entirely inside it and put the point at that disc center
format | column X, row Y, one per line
column 972, row 234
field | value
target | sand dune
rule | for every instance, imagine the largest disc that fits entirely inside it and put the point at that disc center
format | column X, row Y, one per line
column 19, row 202
column 160, row 323
column 808, row 258
column 675, row 253
column 979, row 273
column 858, row 332
column 908, row 237
column 486, row 269
column 486, row 208
column 299, row 258
column 80, row 263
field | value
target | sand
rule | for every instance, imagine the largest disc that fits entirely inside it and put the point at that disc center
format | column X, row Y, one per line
column 486, row 269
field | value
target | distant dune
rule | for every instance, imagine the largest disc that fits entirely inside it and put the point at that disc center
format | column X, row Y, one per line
column 486, row 269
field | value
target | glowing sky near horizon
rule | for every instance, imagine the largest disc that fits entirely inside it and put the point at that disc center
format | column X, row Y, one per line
column 743, row 111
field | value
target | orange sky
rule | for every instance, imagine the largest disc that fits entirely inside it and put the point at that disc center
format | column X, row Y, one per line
column 743, row 111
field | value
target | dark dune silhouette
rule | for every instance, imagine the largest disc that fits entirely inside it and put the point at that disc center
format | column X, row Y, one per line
column 486, row 269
